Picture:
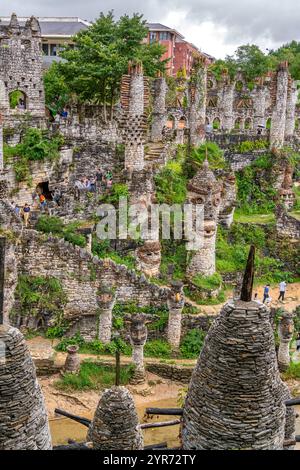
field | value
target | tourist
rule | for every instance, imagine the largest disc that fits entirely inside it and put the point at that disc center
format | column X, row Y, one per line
column 64, row 113
column 92, row 187
column 26, row 213
column 282, row 289
column 99, row 178
column 266, row 292
column 43, row 202
column 16, row 209
column 298, row 342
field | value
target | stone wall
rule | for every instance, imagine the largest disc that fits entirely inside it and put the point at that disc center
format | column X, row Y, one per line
column 21, row 66
column 286, row 225
column 176, row 373
column 81, row 274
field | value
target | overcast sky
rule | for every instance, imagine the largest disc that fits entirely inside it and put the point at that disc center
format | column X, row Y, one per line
column 215, row 26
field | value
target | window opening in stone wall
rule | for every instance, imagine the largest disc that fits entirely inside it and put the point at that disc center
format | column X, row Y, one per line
column 17, row 100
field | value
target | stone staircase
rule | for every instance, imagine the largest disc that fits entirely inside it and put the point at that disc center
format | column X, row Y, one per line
column 155, row 154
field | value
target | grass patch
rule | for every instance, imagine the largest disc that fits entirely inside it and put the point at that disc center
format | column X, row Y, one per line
column 293, row 372
column 94, row 376
column 254, row 218
column 56, row 226
column 208, row 282
column 192, row 344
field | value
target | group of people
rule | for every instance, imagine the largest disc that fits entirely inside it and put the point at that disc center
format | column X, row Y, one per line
column 93, row 183
column 282, row 291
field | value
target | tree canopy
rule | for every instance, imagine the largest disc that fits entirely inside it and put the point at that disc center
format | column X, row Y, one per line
column 94, row 65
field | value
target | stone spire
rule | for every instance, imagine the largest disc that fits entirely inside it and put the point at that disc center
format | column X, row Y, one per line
column 23, row 417
column 277, row 133
column 115, row 425
column 14, row 26
column 175, row 301
column 159, row 113
column 228, row 200
column 106, row 298
column 138, row 338
column 235, row 399
column 197, row 103
column 204, row 189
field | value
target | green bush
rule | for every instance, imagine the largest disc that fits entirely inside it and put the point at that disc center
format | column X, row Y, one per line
column 55, row 225
column 250, row 146
column 208, row 282
column 94, row 376
column 157, row 348
column 95, row 347
column 36, row 145
column 192, row 344
column 214, row 154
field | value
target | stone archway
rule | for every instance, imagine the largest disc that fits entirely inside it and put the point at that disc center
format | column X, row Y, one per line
column 18, row 100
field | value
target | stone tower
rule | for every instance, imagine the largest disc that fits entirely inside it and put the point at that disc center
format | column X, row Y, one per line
column 236, row 397
column 197, row 103
column 291, row 108
column 21, row 67
column 116, row 425
column 204, row 189
column 226, row 98
column 23, row 417
column 159, row 113
column 134, row 102
column 280, row 97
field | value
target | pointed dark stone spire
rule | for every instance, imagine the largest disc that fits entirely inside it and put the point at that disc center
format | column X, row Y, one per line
column 247, row 287
column 14, row 25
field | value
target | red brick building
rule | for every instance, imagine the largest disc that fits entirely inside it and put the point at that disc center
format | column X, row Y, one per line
column 179, row 52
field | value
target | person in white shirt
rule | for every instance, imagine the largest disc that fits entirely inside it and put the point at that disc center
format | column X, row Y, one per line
column 282, row 289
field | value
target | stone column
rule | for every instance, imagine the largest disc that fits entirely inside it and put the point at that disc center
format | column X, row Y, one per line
column 138, row 338
column 134, row 101
column 106, row 300
column 285, row 333
column 228, row 200
column 259, row 104
column 72, row 363
column 23, row 417
column 175, row 303
column 89, row 242
column 278, row 128
column 197, row 104
column 159, row 113
column 226, row 97
column 291, row 109
column 235, row 398
column 116, row 425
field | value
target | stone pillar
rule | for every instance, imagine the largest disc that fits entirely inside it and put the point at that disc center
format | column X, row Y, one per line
column 235, row 398
column 259, row 104
column 226, row 97
column 175, row 303
column 106, row 300
column 278, row 126
column 286, row 193
column 134, row 102
column 116, row 425
column 23, row 417
column 148, row 258
column 291, row 109
column 205, row 190
column 228, row 200
column 72, row 363
column 138, row 338
column 285, row 333
column 197, row 104
column 159, row 113
column 89, row 242
column 1, row 145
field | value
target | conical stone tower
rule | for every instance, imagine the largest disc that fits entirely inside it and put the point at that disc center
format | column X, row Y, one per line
column 23, row 417
column 235, row 398
column 115, row 425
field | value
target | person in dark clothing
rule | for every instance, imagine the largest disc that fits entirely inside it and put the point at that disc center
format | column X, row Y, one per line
column 266, row 293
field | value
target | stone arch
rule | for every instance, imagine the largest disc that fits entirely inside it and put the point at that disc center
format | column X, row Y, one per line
column 248, row 123
column 238, row 124
column 18, row 100
column 217, row 123
column 182, row 123
column 170, row 124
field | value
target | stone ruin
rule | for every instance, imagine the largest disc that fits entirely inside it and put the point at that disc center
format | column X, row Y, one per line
column 21, row 67
column 116, row 425
column 204, row 189
column 23, row 416
column 285, row 333
column 197, row 103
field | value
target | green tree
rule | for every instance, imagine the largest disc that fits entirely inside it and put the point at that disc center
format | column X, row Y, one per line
column 94, row 67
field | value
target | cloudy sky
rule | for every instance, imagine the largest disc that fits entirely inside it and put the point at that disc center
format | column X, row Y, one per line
column 215, row 26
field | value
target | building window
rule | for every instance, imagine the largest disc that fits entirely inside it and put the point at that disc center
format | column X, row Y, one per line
column 53, row 49
column 152, row 37
column 45, row 48
column 164, row 36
